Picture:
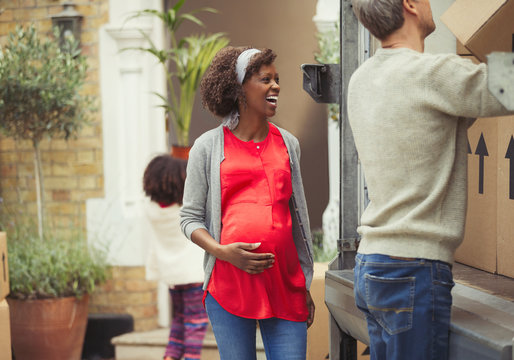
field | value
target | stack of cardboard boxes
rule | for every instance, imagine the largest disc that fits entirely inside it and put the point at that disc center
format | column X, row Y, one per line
column 5, row 329
column 318, row 336
column 482, row 27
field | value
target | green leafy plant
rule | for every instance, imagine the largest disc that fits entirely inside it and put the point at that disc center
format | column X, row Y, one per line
column 59, row 266
column 189, row 58
column 40, row 94
column 329, row 53
column 321, row 254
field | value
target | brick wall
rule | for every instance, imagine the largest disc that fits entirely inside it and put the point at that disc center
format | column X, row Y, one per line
column 128, row 292
column 73, row 170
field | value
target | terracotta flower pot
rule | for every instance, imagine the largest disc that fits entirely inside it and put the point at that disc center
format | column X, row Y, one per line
column 181, row 152
column 48, row 329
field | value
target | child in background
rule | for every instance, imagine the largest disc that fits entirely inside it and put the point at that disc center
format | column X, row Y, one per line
column 173, row 259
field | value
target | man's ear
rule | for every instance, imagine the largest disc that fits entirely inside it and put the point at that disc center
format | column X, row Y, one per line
column 410, row 7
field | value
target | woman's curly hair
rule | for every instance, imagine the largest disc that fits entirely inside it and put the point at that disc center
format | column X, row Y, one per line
column 219, row 87
column 163, row 180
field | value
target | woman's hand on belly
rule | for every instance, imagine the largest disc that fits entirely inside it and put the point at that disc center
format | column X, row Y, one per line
column 241, row 256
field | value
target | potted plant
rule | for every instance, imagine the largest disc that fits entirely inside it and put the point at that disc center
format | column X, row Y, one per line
column 39, row 94
column 184, row 64
column 50, row 282
column 329, row 53
column 50, row 274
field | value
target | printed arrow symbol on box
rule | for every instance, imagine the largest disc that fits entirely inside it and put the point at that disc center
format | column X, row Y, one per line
column 481, row 151
column 510, row 155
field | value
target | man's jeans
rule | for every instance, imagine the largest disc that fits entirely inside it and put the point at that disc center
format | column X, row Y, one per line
column 407, row 303
column 235, row 336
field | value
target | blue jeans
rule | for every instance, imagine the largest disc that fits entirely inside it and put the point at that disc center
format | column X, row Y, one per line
column 407, row 303
column 235, row 336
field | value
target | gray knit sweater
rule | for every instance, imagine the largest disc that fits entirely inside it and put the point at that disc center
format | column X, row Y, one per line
column 407, row 111
column 202, row 197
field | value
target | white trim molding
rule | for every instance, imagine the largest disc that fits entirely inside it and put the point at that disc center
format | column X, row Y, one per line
column 133, row 130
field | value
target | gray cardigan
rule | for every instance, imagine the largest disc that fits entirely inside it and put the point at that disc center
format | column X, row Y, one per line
column 202, row 197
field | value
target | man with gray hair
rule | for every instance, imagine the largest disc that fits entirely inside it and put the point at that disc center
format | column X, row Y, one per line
column 409, row 114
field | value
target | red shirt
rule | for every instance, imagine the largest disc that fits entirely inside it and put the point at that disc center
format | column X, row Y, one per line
column 255, row 192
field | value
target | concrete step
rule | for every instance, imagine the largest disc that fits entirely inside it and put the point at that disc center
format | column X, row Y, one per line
column 150, row 345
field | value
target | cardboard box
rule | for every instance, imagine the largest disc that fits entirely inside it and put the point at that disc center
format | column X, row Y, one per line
column 362, row 351
column 479, row 246
column 317, row 335
column 488, row 240
column 482, row 26
column 5, row 331
column 505, row 200
column 462, row 50
column 4, row 268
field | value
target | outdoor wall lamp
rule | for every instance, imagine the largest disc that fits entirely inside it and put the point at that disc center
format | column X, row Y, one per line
column 69, row 22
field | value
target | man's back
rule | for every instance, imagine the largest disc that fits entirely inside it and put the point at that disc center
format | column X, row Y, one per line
column 407, row 110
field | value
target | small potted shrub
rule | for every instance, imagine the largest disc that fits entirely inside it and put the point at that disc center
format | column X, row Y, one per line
column 50, row 282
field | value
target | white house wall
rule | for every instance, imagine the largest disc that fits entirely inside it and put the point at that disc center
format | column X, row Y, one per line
column 133, row 131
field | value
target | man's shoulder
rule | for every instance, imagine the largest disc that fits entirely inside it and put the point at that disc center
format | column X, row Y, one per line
column 445, row 57
column 407, row 61
column 404, row 54
column 442, row 61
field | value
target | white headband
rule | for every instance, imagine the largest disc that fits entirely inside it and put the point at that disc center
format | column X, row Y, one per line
column 242, row 63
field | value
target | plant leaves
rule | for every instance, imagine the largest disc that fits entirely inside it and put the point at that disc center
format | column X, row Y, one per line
column 184, row 63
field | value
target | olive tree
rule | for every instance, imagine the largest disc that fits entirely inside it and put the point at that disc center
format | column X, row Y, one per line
column 40, row 96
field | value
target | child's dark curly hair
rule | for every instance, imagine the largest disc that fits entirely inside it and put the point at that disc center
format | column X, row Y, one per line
column 219, row 87
column 163, row 180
